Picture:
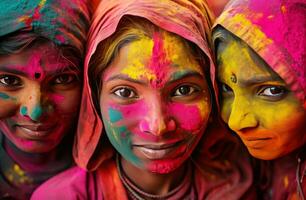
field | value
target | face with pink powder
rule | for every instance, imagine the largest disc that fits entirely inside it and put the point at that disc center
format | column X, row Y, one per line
column 39, row 97
column 155, row 102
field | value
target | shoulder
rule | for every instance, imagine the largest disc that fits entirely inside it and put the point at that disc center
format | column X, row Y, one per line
column 74, row 183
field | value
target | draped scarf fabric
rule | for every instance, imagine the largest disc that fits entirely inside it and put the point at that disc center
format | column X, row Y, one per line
column 276, row 31
column 63, row 22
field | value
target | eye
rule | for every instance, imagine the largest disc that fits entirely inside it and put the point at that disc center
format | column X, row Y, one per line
column 64, row 79
column 10, row 81
column 225, row 88
column 273, row 91
column 125, row 92
column 185, row 90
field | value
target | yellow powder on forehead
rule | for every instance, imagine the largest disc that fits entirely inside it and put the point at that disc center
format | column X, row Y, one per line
column 179, row 53
column 139, row 51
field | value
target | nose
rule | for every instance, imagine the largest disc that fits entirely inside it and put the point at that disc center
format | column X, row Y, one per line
column 157, row 122
column 242, row 115
column 32, row 102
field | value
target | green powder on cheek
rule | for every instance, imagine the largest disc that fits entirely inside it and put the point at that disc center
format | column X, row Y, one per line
column 120, row 137
column 4, row 96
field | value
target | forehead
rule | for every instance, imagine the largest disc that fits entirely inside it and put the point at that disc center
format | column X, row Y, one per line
column 147, row 58
column 234, row 56
column 43, row 55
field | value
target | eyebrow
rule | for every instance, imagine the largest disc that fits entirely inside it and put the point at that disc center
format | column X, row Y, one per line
column 13, row 70
column 125, row 78
column 257, row 80
column 184, row 74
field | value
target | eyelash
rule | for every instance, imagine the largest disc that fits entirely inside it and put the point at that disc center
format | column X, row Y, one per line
column 116, row 91
column 72, row 77
column 226, row 90
column 282, row 91
column 13, row 85
column 192, row 89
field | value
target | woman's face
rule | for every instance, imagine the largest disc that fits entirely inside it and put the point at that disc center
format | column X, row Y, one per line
column 39, row 97
column 155, row 102
column 257, row 104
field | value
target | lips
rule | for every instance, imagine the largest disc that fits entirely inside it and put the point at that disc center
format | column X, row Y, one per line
column 36, row 131
column 257, row 142
column 161, row 151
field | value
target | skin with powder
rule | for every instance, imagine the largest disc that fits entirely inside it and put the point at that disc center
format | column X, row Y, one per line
column 155, row 105
column 39, row 97
column 257, row 104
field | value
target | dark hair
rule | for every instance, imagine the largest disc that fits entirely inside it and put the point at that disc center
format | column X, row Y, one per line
column 18, row 41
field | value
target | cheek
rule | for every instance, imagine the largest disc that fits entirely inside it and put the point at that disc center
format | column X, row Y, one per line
column 226, row 109
column 67, row 102
column 190, row 117
column 8, row 105
column 129, row 113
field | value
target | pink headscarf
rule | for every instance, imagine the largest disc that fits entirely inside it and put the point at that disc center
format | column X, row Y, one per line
column 189, row 19
column 276, row 30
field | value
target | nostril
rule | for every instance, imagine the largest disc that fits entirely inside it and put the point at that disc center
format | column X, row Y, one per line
column 171, row 125
column 144, row 127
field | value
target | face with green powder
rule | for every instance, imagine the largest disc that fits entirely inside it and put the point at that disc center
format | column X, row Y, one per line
column 155, row 102
column 39, row 97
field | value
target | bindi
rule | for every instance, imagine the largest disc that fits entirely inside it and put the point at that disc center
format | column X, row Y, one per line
column 233, row 78
column 37, row 75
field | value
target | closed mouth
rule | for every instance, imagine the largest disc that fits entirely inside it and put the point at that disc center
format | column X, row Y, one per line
column 160, row 151
column 36, row 130
column 257, row 139
column 256, row 143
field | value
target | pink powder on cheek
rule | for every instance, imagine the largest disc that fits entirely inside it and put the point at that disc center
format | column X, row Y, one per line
column 159, row 62
column 56, row 98
column 132, row 111
column 188, row 117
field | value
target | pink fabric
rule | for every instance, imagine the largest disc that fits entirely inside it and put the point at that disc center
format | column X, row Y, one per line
column 104, row 183
column 276, row 30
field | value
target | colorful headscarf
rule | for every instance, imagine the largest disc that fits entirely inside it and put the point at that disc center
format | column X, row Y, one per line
column 63, row 22
column 189, row 19
column 276, row 30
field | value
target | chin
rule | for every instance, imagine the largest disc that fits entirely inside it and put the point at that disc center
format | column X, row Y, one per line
column 264, row 154
column 165, row 166
column 36, row 146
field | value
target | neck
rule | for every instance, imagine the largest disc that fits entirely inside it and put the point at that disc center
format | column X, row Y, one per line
column 153, row 183
column 30, row 162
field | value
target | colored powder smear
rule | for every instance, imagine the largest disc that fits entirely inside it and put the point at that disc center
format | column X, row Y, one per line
column 189, row 117
column 23, row 111
column 6, row 97
column 159, row 61
column 119, row 136
column 36, row 113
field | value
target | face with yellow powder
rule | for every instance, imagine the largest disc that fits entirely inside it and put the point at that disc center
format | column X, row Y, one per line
column 257, row 104
column 155, row 102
